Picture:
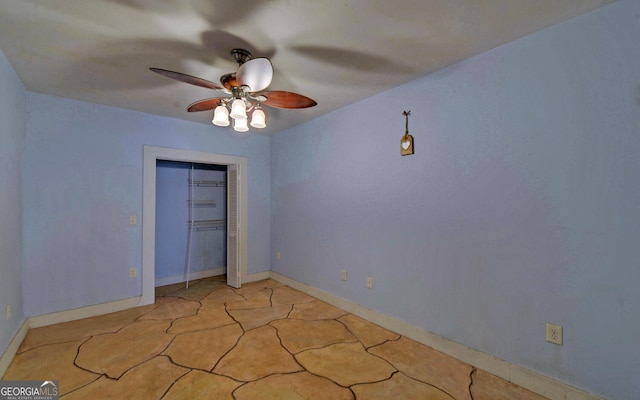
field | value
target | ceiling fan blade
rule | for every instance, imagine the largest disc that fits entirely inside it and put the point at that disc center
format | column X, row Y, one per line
column 192, row 80
column 281, row 99
column 256, row 73
column 205, row 105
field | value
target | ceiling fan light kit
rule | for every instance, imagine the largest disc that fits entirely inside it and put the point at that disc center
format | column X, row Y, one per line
column 245, row 87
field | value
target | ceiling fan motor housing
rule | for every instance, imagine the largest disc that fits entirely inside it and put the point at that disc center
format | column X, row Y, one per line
column 241, row 55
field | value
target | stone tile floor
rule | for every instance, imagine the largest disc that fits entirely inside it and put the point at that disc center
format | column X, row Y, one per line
column 262, row 341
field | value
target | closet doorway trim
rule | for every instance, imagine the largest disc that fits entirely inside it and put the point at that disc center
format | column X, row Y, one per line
column 151, row 155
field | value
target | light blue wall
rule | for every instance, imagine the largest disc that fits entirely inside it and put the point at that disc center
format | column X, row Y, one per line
column 12, row 137
column 208, row 247
column 521, row 205
column 82, row 181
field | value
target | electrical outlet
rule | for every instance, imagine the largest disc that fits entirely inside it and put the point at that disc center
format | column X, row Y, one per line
column 133, row 220
column 8, row 313
column 343, row 274
column 133, row 272
column 554, row 334
column 370, row 282
column 277, row 255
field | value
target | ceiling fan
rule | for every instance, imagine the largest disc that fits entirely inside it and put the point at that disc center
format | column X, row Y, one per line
column 245, row 93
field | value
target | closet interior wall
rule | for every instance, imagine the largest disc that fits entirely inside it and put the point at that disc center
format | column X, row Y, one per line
column 190, row 221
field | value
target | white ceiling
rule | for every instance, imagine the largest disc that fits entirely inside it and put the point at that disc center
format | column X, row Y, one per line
column 334, row 51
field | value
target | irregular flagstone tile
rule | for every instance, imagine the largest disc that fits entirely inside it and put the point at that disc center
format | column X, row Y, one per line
column 487, row 386
column 82, row 328
column 427, row 365
column 203, row 349
column 114, row 353
column 300, row 385
column 149, row 380
column 257, row 286
column 298, row 335
column 400, row 387
column 346, row 364
column 206, row 318
column 199, row 385
column 174, row 309
column 197, row 291
column 367, row 332
column 165, row 290
column 285, row 295
column 51, row 362
column 255, row 317
column 316, row 310
column 221, row 296
column 258, row 299
column 257, row 354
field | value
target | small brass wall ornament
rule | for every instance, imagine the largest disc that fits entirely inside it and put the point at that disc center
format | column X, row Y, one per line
column 406, row 142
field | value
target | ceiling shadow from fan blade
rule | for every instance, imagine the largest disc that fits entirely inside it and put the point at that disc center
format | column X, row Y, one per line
column 205, row 104
column 192, row 80
column 350, row 59
column 282, row 99
column 220, row 43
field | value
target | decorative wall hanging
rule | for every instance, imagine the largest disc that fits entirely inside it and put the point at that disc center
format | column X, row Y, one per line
column 406, row 142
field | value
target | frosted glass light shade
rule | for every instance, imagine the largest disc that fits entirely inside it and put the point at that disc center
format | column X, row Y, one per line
column 258, row 119
column 240, row 125
column 238, row 109
column 221, row 116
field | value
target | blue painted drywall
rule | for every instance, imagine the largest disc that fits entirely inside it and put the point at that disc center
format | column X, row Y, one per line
column 208, row 248
column 82, row 181
column 521, row 205
column 12, row 137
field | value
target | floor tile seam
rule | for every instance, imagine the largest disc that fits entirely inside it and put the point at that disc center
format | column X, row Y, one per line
column 85, row 338
column 329, row 345
column 226, row 309
column 356, row 340
column 202, row 329
column 186, row 316
column 427, row 383
column 156, row 306
column 252, row 308
column 471, row 376
column 376, row 381
column 126, row 371
column 130, row 324
column 415, row 378
column 226, row 353
column 271, row 298
column 83, row 386
column 324, row 346
column 75, row 359
column 174, row 382
column 358, row 337
column 349, row 387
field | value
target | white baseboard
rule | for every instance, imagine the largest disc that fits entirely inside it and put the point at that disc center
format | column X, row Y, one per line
column 83, row 312
column 258, row 276
column 537, row 383
column 170, row 280
column 11, row 350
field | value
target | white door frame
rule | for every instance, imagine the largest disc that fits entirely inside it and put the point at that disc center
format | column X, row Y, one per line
column 151, row 155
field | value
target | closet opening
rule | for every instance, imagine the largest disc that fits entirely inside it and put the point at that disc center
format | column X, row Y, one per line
column 191, row 221
column 236, row 185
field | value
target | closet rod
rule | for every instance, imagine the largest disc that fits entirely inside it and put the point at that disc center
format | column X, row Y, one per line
column 190, row 225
